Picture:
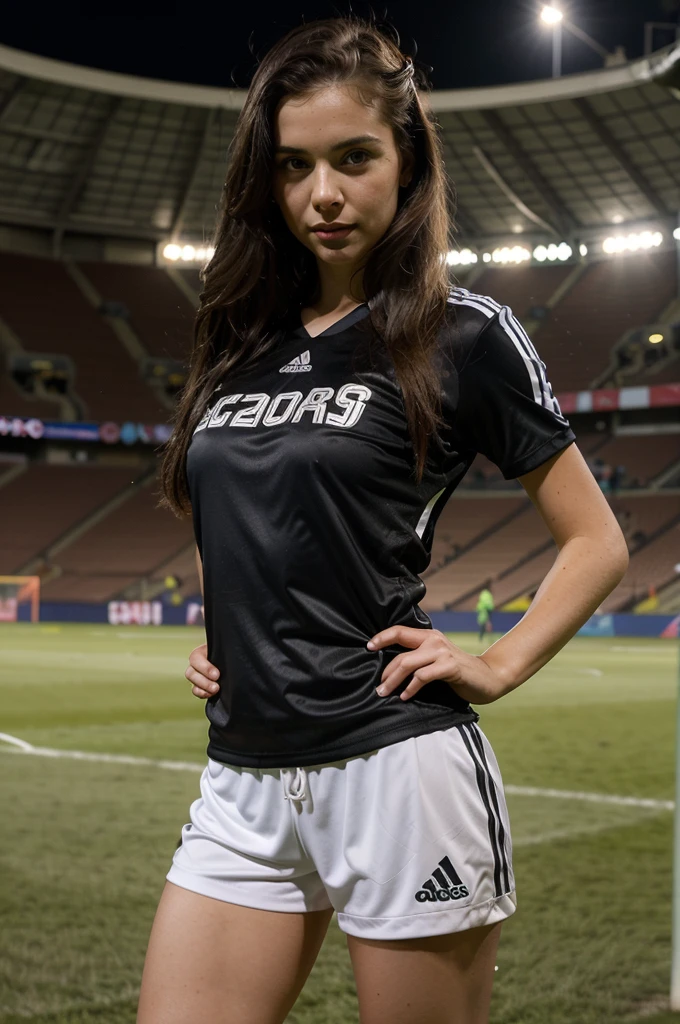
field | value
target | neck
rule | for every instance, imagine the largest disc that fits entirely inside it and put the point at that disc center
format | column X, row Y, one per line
column 337, row 288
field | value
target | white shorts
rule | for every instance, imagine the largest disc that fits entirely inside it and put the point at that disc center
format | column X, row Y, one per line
column 406, row 841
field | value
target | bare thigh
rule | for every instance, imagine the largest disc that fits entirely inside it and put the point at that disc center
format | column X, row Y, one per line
column 441, row 979
column 225, row 964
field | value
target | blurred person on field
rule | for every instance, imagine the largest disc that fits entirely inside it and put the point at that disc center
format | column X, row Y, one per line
column 485, row 605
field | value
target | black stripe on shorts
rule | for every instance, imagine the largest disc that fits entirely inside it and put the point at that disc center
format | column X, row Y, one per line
column 494, row 797
column 481, row 771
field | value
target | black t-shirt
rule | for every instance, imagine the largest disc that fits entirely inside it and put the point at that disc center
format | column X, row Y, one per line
column 313, row 531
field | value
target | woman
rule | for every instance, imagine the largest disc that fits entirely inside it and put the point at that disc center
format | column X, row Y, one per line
column 339, row 390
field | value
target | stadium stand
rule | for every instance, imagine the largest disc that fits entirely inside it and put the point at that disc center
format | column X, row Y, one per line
column 643, row 457
column 14, row 403
column 640, row 518
column 160, row 313
column 576, row 345
column 653, row 564
column 132, row 541
column 44, row 502
column 193, row 280
column 508, row 534
column 45, row 309
column 459, row 526
column 182, row 565
column 524, row 287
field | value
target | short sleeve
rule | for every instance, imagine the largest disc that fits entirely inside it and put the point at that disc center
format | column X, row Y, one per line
column 506, row 407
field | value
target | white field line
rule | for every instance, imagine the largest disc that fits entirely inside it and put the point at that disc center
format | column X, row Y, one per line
column 641, row 650
column 164, row 635
column 579, row 830
column 19, row 746
column 596, row 798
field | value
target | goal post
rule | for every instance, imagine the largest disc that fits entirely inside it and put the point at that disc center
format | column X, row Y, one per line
column 675, row 923
column 16, row 591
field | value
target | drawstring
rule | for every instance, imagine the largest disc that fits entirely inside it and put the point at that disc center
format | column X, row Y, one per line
column 297, row 789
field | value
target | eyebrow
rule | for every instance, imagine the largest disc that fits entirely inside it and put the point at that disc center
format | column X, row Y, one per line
column 357, row 140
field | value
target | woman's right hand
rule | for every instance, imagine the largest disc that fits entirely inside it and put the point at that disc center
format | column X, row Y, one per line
column 201, row 673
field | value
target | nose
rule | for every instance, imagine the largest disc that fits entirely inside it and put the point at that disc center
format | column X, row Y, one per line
column 325, row 188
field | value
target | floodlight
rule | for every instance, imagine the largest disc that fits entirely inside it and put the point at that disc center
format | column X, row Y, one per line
column 507, row 255
column 632, row 242
column 551, row 15
column 464, row 257
column 552, row 252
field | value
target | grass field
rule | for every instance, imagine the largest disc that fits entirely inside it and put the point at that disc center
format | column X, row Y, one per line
column 86, row 843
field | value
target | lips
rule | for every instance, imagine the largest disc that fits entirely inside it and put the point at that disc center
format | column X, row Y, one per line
column 333, row 234
column 330, row 230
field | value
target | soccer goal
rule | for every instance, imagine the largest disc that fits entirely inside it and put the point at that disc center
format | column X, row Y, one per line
column 17, row 592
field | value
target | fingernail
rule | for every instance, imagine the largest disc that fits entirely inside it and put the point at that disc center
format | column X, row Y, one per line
column 213, row 688
column 370, row 645
column 381, row 690
column 214, row 674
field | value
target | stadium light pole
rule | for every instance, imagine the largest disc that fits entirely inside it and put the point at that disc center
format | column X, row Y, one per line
column 552, row 15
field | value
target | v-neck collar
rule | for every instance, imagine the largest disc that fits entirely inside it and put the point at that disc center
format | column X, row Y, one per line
column 356, row 314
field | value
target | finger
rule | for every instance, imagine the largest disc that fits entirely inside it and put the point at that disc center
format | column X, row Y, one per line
column 198, row 679
column 201, row 664
column 406, row 636
column 420, row 679
column 404, row 664
column 197, row 692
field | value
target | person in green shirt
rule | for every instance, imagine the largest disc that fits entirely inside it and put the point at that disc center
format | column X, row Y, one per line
column 485, row 606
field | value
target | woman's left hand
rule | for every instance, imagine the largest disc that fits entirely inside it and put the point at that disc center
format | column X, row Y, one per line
column 432, row 657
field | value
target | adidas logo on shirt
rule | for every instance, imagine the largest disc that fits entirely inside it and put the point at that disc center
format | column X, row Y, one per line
column 440, row 888
column 297, row 365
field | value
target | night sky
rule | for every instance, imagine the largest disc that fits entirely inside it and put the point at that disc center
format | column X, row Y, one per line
column 472, row 43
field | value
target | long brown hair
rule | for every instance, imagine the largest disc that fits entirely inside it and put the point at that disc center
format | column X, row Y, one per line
column 260, row 271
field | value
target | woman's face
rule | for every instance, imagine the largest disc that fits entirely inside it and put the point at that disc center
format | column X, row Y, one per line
column 335, row 161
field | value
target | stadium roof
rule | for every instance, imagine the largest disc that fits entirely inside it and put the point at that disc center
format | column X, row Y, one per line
column 96, row 152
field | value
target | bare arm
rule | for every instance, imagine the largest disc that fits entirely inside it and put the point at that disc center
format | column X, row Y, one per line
column 592, row 560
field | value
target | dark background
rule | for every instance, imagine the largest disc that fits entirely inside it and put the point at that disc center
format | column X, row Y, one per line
column 470, row 43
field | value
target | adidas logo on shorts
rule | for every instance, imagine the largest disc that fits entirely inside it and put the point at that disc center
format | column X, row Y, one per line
column 300, row 364
column 440, row 888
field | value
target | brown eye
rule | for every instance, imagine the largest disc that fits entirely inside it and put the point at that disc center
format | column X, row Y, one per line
column 284, row 163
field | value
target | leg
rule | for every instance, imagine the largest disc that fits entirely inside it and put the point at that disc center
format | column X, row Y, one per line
column 441, row 979
column 213, row 961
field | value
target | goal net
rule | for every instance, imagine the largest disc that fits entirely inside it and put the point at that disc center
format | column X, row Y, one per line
column 19, row 598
